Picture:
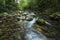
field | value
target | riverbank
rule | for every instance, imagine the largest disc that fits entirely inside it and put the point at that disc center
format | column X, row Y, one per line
column 11, row 22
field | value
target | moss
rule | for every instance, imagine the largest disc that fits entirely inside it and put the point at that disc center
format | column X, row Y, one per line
column 40, row 21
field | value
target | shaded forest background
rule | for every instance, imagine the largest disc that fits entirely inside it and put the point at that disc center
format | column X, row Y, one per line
column 40, row 5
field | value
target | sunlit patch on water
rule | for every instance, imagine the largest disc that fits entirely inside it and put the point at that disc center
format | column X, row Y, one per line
column 48, row 23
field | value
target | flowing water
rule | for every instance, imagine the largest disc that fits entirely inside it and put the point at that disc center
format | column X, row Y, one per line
column 30, row 33
column 30, row 24
column 33, row 34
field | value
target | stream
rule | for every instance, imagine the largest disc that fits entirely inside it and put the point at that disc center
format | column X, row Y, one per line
column 29, row 32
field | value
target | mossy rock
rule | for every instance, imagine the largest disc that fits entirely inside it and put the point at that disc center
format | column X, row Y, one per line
column 40, row 21
column 55, row 16
column 58, row 14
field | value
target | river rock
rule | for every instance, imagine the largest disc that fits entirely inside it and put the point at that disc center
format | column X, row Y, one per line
column 28, row 19
column 40, row 21
column 22, row 17
column 55, row 16
column 25, row 13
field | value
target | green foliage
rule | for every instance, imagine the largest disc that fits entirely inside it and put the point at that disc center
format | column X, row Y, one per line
column 27, row 4
column 23, row 4
column 46, row 4
column 11, row 5
column 48, row 11
column 1, row 14
column 8, row 5
column 40, row 5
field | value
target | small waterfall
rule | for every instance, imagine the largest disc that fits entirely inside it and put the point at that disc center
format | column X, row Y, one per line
column 30, row 24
